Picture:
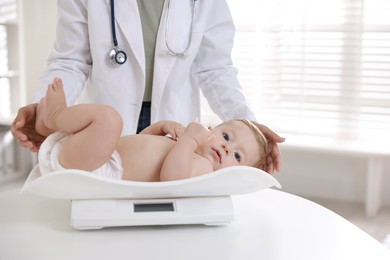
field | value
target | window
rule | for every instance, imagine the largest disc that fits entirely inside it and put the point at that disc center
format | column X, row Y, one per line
column 314, row 67
column 8, row 31
column 4, row 80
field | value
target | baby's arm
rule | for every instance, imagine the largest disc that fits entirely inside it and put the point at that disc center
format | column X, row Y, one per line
column 164, row 127
column 182, row 162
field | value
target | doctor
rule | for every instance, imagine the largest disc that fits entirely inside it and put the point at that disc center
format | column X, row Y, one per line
column 147, row 58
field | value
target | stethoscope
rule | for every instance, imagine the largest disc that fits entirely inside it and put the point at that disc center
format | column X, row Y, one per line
column 119, row 57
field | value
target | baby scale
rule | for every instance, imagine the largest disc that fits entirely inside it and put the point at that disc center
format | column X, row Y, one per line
column 98, row 202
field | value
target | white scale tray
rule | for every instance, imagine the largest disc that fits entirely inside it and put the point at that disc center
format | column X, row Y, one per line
column 99, row 202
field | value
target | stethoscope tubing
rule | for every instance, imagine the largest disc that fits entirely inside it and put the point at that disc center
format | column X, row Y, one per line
column 170, row 50
column 118, row 56
column 113, row 29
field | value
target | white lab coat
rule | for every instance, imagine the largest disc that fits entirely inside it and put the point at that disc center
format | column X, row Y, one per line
column 80, row 56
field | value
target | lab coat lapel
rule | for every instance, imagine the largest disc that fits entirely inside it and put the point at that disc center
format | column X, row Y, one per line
column 179, row 24
column 129, row 23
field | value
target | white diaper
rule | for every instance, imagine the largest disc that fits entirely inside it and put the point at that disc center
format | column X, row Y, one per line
column 49, row 151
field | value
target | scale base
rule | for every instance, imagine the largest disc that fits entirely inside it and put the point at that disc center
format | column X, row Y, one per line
column 100, row 213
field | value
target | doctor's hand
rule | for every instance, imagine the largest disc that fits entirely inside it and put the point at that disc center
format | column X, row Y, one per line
column 23, row 128
column 273, row 156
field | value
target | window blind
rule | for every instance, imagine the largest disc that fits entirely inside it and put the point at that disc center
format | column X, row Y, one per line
column 7, row 19
column 314, row 67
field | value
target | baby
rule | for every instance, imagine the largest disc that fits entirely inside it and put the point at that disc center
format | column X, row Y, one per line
column 87, row 137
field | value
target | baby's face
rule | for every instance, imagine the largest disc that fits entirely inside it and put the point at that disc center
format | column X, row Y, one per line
column 234, row 144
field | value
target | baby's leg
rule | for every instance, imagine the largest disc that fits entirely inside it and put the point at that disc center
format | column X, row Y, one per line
column 94, row 129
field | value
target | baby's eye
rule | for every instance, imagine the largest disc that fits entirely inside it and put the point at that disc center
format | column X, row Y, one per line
column 226, row 136
column 237, row 156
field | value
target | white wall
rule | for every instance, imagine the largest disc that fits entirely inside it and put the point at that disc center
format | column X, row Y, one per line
column 39, row 19
column 327, row 176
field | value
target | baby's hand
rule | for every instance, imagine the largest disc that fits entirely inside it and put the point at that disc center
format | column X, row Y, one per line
column 199, row 133
column 174, row 129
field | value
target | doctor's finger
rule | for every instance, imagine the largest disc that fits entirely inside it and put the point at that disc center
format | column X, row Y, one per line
column 26, row 144
column 269, row 134
column 18, row 123
column 18, row 135
column 276, row 156
column 270, row 164
column 29, row 145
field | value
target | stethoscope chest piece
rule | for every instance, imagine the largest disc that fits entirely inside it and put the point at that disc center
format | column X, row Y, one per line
column 117, row 56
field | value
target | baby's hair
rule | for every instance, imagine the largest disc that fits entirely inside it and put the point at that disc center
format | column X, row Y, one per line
column 261, row 140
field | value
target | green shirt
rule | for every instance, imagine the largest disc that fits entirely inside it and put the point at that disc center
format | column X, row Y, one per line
column 150, row 12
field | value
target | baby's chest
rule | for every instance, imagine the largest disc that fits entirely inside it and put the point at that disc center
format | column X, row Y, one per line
column 143, row 160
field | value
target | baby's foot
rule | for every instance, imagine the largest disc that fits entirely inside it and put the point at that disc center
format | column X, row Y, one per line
column 40, row 126
column 55, row 102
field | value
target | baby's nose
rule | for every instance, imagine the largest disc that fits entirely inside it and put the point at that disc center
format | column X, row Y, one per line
column 227, row 149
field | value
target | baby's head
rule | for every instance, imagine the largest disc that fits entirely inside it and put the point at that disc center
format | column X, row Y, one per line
column 262, row 143
column 240, row 142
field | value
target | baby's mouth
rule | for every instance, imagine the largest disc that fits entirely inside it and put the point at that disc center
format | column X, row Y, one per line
column 218, row 155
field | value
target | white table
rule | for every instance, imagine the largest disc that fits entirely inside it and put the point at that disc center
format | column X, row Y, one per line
column 269, row 225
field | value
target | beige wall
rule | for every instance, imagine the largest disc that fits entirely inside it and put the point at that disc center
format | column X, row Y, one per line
column 331, row 176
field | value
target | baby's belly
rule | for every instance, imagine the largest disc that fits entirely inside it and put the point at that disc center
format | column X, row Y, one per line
column 143, row 155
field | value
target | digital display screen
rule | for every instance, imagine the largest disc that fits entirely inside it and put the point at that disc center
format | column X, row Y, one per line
column 154, row 207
